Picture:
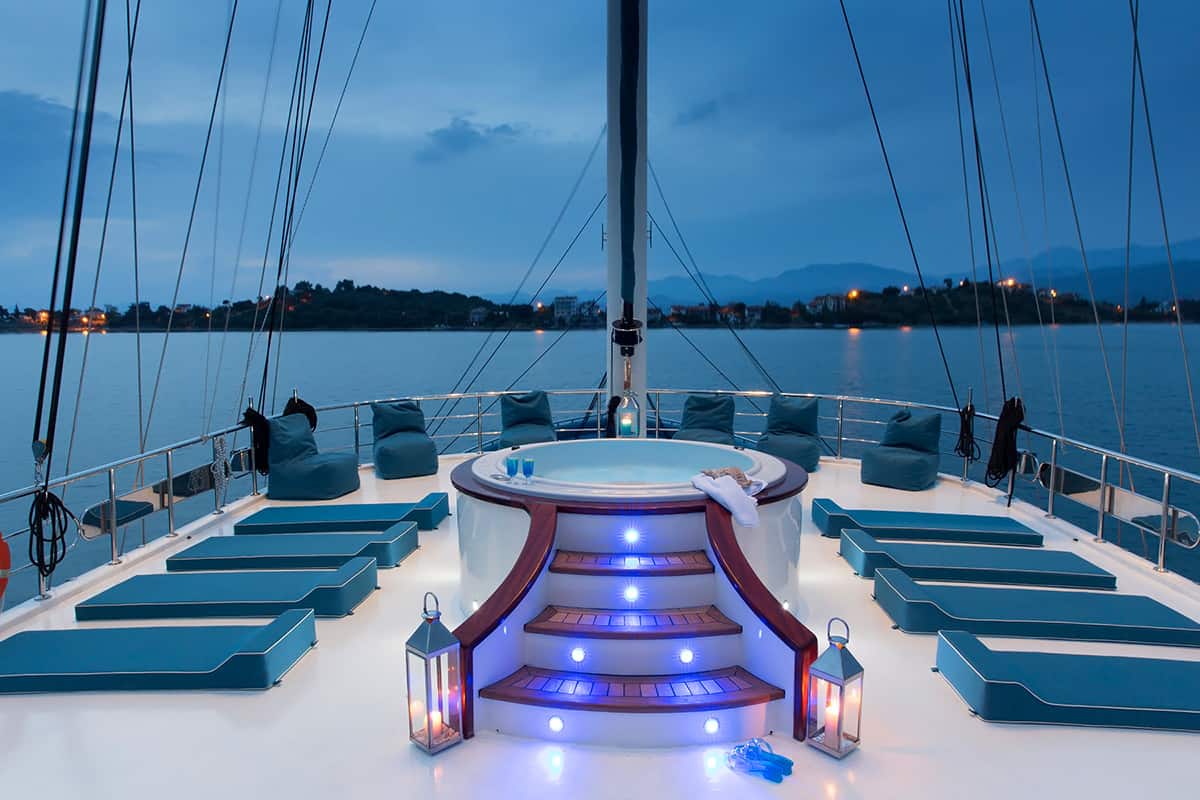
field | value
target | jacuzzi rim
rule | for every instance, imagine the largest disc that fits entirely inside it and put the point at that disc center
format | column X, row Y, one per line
column 484, row 467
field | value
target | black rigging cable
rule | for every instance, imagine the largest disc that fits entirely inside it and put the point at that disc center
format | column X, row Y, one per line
column 48, row 515
column 212, row 117
column 984, row 200
column 912, row 249
column 441, row 409
column 698, row 276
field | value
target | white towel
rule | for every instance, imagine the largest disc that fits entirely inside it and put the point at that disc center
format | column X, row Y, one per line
column 726, row 491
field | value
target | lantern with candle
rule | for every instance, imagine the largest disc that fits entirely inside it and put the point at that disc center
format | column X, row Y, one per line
column 835, row 696
column 434, row 689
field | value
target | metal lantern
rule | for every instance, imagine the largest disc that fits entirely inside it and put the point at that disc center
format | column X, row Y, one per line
column 835, row 697
column 434, row 688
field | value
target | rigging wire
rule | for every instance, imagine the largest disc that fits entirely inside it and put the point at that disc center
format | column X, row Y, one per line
column 237, row 258
column 899, row 205
column 212, row 272
column 698, row 277
column 48, row 515
column 549, row 275
column 528, row 271
column 337, row 109
column 130, row 38
column 1162, row 213
column 288, row 235
column 1037, row 111
column 1025, row 243
column 984, row 204
column 1075, row 215
column 487, row 409
column 255, row 331
column 962, row 153
column 162, row 358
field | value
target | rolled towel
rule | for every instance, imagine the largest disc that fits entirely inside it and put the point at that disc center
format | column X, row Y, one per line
column 751, row 485
column 726, row 491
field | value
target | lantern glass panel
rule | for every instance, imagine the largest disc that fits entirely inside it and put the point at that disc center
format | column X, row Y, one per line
column 852, row 716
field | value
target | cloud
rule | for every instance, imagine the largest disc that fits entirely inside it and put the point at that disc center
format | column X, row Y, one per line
column 698, row 112
column 462, row 136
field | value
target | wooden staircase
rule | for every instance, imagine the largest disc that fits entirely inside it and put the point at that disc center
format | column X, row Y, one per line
column 617, row 633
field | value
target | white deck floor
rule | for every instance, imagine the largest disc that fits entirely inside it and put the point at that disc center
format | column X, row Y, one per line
column 336, row 726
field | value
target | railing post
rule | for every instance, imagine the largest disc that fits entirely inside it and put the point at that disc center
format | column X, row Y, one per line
column 1162, row 524
column 171, row 494
column 840, row 422
column 1053, row 478
column 478, row 423
column 253, row 470
column 600, row 406
column 216, row 483
column 967, row 456
column 357, row 445
column 658, row 415
column 1103, row 504
column 112, row 517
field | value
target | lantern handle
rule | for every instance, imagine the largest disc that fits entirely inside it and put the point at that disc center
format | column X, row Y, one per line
column 837, row 640
column 436, row 613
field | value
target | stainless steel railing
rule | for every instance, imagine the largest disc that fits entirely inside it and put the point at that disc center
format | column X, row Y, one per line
column 457, row 429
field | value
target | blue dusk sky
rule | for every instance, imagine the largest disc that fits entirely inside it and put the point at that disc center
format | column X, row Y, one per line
column 466, row 123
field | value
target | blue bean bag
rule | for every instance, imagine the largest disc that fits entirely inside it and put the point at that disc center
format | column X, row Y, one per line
column 707, row 418
column 402, row 447
column 526, row 419
column 907, row 458
column 298, row 471
column 792, row 431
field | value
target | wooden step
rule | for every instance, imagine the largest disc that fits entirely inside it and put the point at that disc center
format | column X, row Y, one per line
column 659, row 565
column 666, row 623
column 729, row 687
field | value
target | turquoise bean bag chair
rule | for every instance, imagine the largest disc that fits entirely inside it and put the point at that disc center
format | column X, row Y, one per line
column 907, row 458
column 402, row 447
column 707, row 418
column 298, row 471
column 792, row 431
column 526, row 419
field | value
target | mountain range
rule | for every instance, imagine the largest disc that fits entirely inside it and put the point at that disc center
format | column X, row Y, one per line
column 1059, row 267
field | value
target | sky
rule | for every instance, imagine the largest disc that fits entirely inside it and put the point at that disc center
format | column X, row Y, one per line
column 466, row 124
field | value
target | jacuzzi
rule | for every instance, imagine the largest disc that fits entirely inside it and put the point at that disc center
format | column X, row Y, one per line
column 602, row 488
column 621, row 469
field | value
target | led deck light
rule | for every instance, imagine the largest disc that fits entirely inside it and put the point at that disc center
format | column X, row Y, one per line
column 632, row 536
column 631, row 594
column 577, row 655
column 711, row 725
column 556, row 724
column 686, row 656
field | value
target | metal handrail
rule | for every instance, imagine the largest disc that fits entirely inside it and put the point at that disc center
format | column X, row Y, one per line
column 477, row 431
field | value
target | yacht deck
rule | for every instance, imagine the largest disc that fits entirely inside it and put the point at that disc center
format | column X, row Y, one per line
column 336, row 725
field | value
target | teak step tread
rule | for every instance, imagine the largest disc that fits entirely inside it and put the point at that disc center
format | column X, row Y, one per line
column 640, row 694
column 689, row 562
column 599, row 623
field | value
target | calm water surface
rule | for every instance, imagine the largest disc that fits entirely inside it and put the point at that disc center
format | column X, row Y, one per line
column 200, row 389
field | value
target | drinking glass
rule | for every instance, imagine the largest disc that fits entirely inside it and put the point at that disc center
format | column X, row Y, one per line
column 527, row 468
column 511, row 465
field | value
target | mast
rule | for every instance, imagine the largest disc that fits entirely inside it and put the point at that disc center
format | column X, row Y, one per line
column 627, row 210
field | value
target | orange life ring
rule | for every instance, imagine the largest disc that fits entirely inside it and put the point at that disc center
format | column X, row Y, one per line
column 5, row 566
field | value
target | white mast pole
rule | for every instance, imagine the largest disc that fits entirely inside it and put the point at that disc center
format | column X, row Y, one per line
column 627, row 218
